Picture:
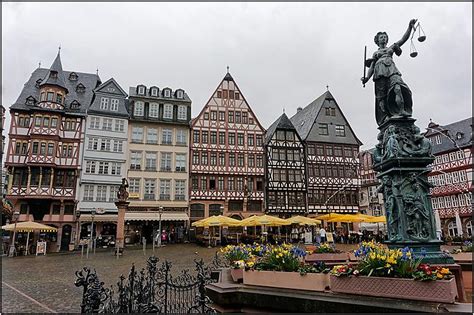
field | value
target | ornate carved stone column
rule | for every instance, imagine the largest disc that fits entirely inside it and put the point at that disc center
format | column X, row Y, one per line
column 122, row 206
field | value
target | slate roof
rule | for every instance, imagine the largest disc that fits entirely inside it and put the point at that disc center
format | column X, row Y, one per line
column 304, row 119
column 283, row 122
column 89, row 80
column 57, row 80
column 463, row 128
column 132, row 91
column 122, row 109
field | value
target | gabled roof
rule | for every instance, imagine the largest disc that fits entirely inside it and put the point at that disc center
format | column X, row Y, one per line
column 304, row 119
column 450, row 140
column 283, row 122
column 58, row 77
column 111, row 80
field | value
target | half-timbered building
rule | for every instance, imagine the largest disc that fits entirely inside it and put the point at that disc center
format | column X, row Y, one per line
column 451, row 177
column 332, row 150
column 370, row 199
column 285, row 170
column 227, row 156
column 44, row 151
column 157, row 161
column 103, row 159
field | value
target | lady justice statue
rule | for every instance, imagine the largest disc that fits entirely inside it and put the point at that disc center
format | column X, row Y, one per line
column 392, row 95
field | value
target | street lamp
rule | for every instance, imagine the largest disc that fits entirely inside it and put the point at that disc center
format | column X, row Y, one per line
column 78, row 232
column 92, row 231
column 160, row 212
column 15, row 217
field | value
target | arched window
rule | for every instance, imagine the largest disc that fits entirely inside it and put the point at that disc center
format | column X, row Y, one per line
column 215, row 209
column 469, row 228
column 197, row 210
column 452, row 229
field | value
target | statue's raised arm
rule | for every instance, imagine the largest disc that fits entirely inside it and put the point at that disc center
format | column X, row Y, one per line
column 407, row 34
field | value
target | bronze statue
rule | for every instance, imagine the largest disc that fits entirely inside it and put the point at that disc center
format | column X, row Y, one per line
column 122, row 193
column 392, row 95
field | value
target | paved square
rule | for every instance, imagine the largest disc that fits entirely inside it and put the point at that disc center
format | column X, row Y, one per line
column 46, row 283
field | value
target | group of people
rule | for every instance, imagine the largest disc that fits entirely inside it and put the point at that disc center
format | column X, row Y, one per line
column 172, row 235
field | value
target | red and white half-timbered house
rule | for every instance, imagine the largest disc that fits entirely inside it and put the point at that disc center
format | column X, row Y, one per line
column 44, row 151
column 226, row 154
column 451, row 177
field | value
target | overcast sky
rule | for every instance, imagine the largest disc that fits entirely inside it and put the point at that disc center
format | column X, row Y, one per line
column 282, row 55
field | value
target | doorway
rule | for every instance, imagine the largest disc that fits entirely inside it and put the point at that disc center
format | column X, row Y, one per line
column 66, row 237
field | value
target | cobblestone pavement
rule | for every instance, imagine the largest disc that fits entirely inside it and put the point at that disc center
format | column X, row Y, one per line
column 50, row 279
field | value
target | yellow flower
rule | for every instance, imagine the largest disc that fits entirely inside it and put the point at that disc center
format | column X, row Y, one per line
column 388, row 265
column 372, row 255
column 439, row 276
column 444, row 271
column 250, row 264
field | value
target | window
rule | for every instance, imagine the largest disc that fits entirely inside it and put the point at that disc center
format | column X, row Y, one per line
column 24, row 121
column 237, row 118
column 438, row 139
column 93, row 144
column 114, row 104
column 240, row 160
column 101, row 193
column 213, row 115
column 181, row 137
column 195, row 158
column 222, row 159
column 231, row 139
column 197, row 210
column 219, row 94
column 221, row 115
column 180, row 162
column 35, row 176
column 251, row 160
column 95, row 123
column 204, row 136
column 206, row 116
column 105, row 145
column 213, row 159
column 165, row 188
column 150, row 161
column 138, row 108
column 196, row 136
column 34, row 148
column 231, row 159
column 88, row 193
column 222, row 137
column 104, row 168
column 43, row 149
column 240, row 138
column 70, row 124
column 135, row 160
column 462, row 176
column 240, row 183
column 323, row 129
column 259, row 140
column 118, row 145
column 119, row 125
column 50, row 96
column 115, row 168
column 167, row 92
column 150, row 185
column 250, row 140
column 54, row 122
column 469, row 228
column 153, row 110
column 104, row 103
column 141, row 90
column 182, row 112
column 231, row 117
column 180, row 190
column 50, row 149
column 237, row 96
column 452, row 229
column 338, row 151
column 107, row 124
column 168, row 111
column 167, row 136
column 225, row 93
column 113, row 193
column 154, row 92
column 213, row 137
column 245, row 117
column 220, row 183
column 165, row 162
column 179, row 94
column 203, row 183
column 137, row 134
column 259, row 160
column 204, row 158
column 134, row 185
column 152, row 135
column 46, row 121
column 340, row 131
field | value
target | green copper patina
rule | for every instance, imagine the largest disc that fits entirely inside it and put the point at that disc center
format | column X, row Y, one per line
column 402, row 156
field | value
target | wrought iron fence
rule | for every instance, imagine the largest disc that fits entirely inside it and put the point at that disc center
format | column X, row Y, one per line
column 153, row 289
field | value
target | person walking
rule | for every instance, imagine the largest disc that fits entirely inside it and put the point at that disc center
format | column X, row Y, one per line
column 322, row 233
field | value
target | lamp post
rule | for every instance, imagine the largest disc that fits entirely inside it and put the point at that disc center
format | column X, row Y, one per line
column 92, row 232
column 15, row 217
column 160, row 212
column 78, row 231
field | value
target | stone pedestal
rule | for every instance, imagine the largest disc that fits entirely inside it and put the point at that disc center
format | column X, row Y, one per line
column 401, row 159
column 122, row 207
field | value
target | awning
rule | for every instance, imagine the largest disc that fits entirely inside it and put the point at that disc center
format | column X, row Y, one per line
column 154, row 216
column 98, row 218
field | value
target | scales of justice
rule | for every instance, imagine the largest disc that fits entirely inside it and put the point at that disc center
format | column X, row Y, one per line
column 402, row 154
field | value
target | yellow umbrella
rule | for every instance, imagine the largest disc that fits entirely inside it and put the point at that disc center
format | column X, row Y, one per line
column 380, row 219
column 351, row 218
column 267, row 220
column 303, row 220
column 216, row 220
column 29, row 226
column 328, row 216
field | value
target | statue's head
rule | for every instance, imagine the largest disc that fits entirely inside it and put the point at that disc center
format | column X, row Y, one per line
column 381, row 39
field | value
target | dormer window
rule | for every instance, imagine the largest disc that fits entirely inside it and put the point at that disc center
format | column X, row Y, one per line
column 459, row 135
column 141, row 90
column 59, row 98
column 73, row 76
column 180, row 94
column 54, row 74
column 75, row 104
column 154, row 92
column 167, row 92
column 80, row 88
column 30, row 100
column 38, row 82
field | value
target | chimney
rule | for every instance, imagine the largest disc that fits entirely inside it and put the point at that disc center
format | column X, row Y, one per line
column 299, row 109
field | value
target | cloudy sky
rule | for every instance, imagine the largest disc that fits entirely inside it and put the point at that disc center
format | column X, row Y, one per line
column 282, row 55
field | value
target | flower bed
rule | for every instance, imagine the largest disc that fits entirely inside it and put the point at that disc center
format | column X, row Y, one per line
column 287, row 280
column 393, row 273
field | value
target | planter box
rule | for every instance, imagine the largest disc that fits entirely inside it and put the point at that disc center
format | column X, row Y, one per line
column 237, row 274
column 287, row 280
column 327, row 257
column 463, row 257
column 442, row 291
